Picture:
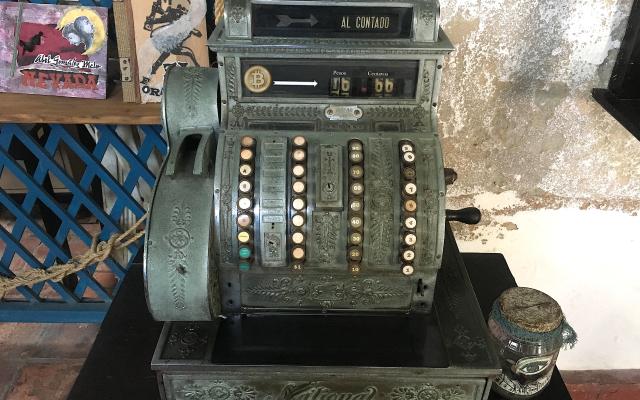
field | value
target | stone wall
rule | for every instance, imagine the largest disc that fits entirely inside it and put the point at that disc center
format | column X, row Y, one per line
column 557, row 178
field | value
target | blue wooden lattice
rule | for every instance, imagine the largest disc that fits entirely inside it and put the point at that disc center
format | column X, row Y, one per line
column 69, row 302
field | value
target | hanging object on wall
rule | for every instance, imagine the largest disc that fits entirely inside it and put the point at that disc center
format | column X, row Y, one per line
column 53, row 50
column 164, row 34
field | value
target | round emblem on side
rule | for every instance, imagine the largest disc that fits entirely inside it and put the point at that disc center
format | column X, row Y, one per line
column 257, row 79
column 179, row 238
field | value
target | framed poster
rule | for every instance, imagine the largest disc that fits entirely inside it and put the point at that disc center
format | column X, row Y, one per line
column 167, row 33
column 53, row 50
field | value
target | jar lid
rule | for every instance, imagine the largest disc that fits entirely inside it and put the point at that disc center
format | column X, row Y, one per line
column 530, row 309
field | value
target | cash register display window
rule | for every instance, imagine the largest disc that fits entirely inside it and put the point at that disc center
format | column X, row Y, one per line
column 371, row 22
column 330, row 78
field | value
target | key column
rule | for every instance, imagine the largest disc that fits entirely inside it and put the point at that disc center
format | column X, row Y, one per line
column 409, row 206
column 298, row 201
column 245, row 218
column 273, row 194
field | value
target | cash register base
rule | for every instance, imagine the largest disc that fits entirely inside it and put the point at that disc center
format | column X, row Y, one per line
column 443, row 355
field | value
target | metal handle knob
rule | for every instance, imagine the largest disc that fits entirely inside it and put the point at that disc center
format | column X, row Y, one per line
column 469, row 216
column 450, row 176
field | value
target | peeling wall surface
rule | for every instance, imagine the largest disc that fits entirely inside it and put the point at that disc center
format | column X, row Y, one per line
column 557, row 178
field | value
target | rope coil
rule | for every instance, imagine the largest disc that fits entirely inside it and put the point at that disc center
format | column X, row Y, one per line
column 98, row 252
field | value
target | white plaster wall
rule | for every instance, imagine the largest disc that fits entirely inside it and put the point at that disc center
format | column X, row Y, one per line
column 589, row 261
column 557, row 178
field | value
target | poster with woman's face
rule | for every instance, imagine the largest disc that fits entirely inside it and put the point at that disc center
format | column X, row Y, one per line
column 53, row 50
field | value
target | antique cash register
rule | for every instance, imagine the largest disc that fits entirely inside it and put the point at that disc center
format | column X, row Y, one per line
column 296, row 242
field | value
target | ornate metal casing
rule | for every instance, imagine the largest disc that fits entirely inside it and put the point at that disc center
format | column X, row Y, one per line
column 326, row 197
column 273, row 279
column 444, row 355
column 181, row 281
column 224, row 225
column 416, row 60
column 413, row 113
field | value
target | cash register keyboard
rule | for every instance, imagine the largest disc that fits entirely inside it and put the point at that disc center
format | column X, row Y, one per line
column 300, row 213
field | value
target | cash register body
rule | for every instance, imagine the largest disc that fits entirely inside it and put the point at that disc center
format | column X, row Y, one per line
column 253, row 219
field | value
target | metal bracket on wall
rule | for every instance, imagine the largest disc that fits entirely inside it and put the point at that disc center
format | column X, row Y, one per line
column 125, row 69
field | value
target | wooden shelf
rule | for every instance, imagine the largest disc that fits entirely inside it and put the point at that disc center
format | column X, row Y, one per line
column 28, row 108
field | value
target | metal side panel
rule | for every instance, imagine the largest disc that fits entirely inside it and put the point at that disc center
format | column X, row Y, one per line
column 289, row 385
column 181, row 273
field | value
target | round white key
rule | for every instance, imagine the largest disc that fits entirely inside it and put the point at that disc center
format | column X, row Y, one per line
column 409, row 157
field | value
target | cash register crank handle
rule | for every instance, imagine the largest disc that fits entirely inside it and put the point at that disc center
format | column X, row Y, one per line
column 469, row 215
column 450, row 176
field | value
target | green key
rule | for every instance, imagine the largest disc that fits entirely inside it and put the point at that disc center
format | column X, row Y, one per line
column 245, row 252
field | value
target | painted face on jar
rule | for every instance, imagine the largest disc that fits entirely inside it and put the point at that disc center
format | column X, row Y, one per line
column 529, row 368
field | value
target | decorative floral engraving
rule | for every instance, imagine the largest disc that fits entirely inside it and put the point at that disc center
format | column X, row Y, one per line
column 217, row 390
column 186, row 339
column 426, row 83
column 430, row 215
column 178, row 238
column 429, row 210
column 346, row 126
column 192, row 86
column 411, row 117
column 226, row 200
column 427, row 14
column 326, row 291
column 273, row 243
column 325, row 235
column 467, row 343
column 230, row 77
column 237, row 13
column 181, row 216
column 361, row 47
column 370, row 44
column 329, row 156
column 381, row 198
column 220, row 390
column 427, row 392
column 276, row 111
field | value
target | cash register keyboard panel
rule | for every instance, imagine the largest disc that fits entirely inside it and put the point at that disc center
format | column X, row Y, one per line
column 302, row 212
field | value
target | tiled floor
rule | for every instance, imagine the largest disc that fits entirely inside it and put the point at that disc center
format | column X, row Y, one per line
column 41, row 362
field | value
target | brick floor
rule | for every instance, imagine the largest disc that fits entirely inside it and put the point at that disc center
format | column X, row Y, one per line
column 41, row 361
column 47, row 380
column 603, row 384
column 8, row 372
column 620, row 392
